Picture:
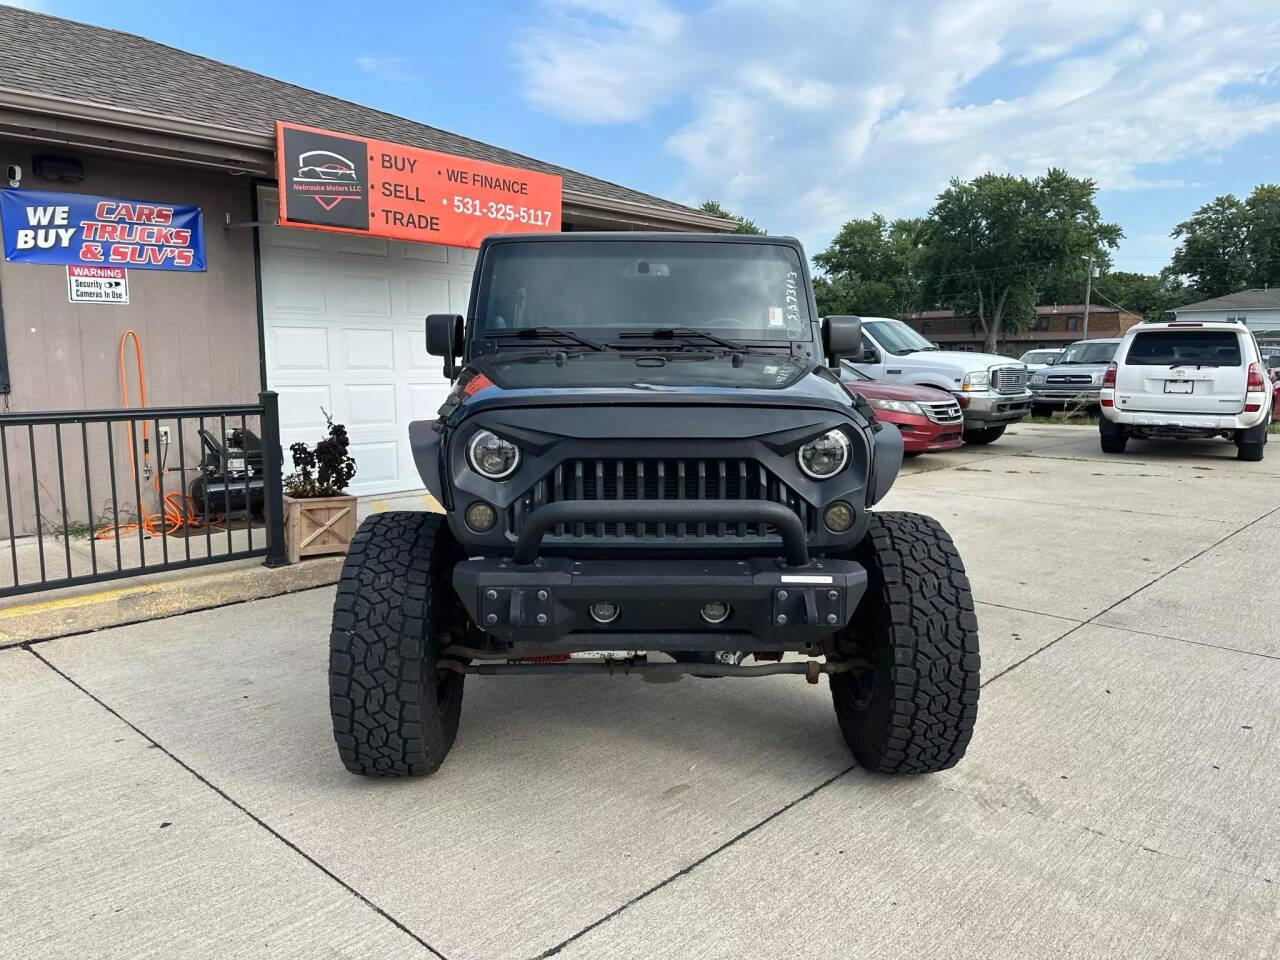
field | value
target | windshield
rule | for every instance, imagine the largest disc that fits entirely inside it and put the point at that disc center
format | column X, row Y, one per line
column 1085, row 352
column 896, row 337
column 599, row 289
column 1201, row 348
column 1038, row 356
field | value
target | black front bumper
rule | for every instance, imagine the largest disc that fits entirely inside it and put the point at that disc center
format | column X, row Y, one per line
column 773, row 606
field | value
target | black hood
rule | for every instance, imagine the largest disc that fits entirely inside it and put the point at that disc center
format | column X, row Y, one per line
column 676, row 370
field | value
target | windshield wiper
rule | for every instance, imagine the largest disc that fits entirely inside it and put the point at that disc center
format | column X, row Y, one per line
column 681, row 333
column 543, row 333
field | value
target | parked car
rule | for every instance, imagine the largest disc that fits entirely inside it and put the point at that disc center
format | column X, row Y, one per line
column 991, row 390
column 699, row 485
column 928, row 419
column 1074, row 380
column 1039, row 359
column 1187, row 379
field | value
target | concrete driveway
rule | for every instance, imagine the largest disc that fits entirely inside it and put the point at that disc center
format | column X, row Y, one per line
column 171, row 789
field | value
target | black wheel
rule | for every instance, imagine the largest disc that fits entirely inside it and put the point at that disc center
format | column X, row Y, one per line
column 1112, row 436
column 910, row 702
column 395, row 714
column 984, row 435
column 1041, row 410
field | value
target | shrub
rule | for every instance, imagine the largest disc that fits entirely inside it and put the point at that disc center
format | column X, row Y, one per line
column 324, row 471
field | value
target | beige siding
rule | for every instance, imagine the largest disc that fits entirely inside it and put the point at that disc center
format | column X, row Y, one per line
column 199, row 331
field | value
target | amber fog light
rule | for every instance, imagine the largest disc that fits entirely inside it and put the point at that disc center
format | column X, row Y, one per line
column 838, row 517
column 480, row 517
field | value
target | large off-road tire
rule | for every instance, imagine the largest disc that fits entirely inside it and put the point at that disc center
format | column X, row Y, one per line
column 1112, row 437
column 912, row 706
column 984, row 435
column 394, row 713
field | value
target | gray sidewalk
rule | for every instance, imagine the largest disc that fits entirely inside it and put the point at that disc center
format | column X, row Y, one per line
column 171, row 788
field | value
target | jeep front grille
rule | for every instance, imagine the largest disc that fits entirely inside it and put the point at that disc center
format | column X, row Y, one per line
column 1008, row 379
column 658, row 479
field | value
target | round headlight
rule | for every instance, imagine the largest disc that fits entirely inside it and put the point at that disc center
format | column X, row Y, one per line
column 824, row 456
column 491, row 456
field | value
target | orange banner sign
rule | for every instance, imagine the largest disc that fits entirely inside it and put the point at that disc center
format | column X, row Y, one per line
column 331, row 181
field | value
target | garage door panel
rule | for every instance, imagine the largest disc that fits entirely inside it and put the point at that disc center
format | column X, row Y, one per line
column 361, row 246
column 425, row 399
column 459, row 294
column 367, row 295
column 301, row 405
column 371, row 406
column 343, row 318
column 427, row 252
column 299, row 350
column 462, row 256
column 428, row 295
column 377, row 467
column 368, row 351
column 294, row 291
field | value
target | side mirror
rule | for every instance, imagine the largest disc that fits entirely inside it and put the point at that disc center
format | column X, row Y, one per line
column 869, row 355
column 444, row 339
column 841, row 337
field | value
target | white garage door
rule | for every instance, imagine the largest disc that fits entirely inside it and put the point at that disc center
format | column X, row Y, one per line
column 344, row 322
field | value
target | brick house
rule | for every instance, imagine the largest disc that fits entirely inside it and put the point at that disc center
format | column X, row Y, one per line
column 1055, row 325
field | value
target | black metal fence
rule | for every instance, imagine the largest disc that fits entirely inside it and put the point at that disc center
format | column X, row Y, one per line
column 102, row 494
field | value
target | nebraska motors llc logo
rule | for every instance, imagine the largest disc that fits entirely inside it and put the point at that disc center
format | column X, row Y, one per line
column 328, row 182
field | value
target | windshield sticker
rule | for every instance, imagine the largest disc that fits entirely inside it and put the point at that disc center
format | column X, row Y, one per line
column 795, row 329
column 775, row 317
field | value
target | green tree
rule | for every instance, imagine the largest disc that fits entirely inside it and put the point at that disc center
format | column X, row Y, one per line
column 714, row 208
column 992, row 244
column 1214, row 251
column 1150, row 295
column 871, row 268
column 1262, row 240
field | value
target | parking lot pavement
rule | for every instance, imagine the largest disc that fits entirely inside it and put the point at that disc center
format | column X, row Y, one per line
column 1118, row 798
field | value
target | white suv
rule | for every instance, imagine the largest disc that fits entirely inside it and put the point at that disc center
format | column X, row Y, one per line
column 1186, row 380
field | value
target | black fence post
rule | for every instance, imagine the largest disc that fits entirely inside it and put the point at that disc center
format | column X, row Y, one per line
column 272, row 489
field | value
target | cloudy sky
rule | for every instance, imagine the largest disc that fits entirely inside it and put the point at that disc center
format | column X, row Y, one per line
column 800, row 113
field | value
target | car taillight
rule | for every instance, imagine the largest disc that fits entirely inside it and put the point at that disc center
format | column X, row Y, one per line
column 1255, row 384
column 1109, row 378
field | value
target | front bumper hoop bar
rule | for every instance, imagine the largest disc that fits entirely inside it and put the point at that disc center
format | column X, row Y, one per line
column 552, row 515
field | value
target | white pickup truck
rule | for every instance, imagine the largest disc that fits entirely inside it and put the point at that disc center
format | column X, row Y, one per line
column 991, row 390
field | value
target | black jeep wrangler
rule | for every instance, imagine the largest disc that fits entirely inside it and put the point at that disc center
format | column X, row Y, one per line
column 646, row 451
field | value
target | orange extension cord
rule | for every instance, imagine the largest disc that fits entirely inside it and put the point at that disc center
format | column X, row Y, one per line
column 177, row 505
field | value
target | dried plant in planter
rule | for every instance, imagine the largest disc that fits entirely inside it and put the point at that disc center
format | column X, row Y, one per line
column 324, row 471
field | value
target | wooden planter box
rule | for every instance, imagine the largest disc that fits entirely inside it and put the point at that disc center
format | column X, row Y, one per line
column 318, row 525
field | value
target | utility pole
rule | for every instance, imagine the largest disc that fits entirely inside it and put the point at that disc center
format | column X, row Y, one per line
column 1088, row 291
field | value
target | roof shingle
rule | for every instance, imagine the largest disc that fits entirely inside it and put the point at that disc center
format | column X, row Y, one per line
column 1255, row 299
column 78, row 61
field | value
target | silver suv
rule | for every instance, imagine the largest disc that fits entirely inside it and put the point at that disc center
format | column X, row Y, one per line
column 1074, row 379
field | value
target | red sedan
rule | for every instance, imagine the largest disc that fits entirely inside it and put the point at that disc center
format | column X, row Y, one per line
column 929, row 420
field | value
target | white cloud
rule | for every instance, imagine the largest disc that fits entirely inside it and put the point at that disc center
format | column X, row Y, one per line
column 605, row 61
column 391, row 69
column 801, row 113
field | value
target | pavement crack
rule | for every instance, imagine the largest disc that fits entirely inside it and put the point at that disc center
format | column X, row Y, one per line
column 689, row 868
column 1095, row 619
column 152, row 742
